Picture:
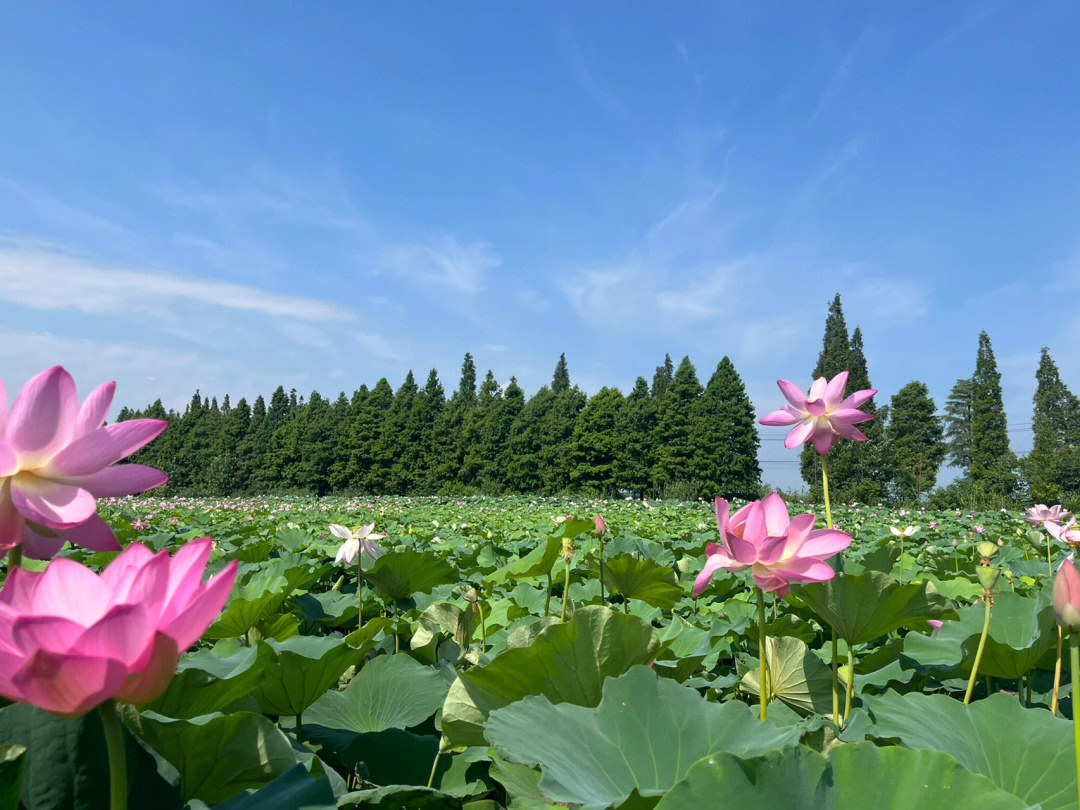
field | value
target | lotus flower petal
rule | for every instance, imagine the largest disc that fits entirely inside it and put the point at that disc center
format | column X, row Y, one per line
column 43, row 417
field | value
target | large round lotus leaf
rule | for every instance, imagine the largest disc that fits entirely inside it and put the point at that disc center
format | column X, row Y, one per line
column 859, row 776
column 567, row 663
column 796, row 676
column 536, row 563
column 402, row 573
column 206, row 682
column 644, row 735
column 1022, row 629
column 304, row 667
column 653, row 584
column 866, row 607
column 1028, row 752
column 391, row 691
column 11, row 771
column 294, row 788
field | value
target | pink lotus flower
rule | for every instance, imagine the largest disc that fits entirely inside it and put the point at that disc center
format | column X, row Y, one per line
column 599, row 526
column 1040, row 513
column 71, row 639
column 56, row 458
column 1068, row 534
column 1066, row 597
column 778, row 549
column 824, row 416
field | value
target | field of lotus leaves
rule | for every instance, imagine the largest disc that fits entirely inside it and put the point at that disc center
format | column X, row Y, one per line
column 497, row 663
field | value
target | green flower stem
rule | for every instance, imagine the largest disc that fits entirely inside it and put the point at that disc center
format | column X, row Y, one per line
column 979, row 651
column 114, row 744
column 483, row 628
column 547, row 601
column 1049, row 561
column 1057, row 675
column 299, row 728
column 1074, row 663
column 835, row 673
column 602, row 599
column 849, row 692
column 14, row 558
column 435, row 764
column 360, row 590
column 566, row 591
column 901, row 559
column 764, row 680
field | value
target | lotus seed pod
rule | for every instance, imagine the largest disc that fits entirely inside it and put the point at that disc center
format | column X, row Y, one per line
column 988, row 576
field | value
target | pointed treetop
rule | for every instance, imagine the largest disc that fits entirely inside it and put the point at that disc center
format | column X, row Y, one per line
column 560, row 381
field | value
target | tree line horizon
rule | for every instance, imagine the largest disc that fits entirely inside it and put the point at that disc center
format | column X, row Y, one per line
column 673, row 438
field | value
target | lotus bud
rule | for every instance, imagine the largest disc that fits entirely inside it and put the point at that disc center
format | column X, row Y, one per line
column 1066, row 597
column 601, row 527
column 567, row 550
column 988, row 576
column 987, row 550
column 471, row 595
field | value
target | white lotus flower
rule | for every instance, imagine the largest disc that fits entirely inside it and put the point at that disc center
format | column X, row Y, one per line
column 362, row 539
column 910, row 530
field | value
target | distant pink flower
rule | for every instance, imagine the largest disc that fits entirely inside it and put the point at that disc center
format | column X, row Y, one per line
column 979, row 529
column 71, row 639
column 56, row 458
column 174, row 521
column 1068, row 534
column 139, row 525
column 779, row 550
column 933, row 524
column 824, row 416
column 1040, row 513
column 935, row 623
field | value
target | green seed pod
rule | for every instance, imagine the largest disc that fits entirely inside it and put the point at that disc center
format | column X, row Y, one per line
column 988, row 576
column 987, row 549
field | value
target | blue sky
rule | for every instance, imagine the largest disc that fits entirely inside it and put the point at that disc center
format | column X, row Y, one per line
column 232, row 196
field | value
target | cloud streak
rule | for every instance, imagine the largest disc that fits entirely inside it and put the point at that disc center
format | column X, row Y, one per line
column 49, row 280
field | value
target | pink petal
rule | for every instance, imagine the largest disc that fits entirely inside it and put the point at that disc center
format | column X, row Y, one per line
column 796, row 535
column 857, row 399
column 40, row 542
column 793, row 394
column 11, row 522
column 70, row 590
column 93, row 534
column 779, row 418
column 800, row 434
column 712, row 564
column 124, row 634
column 824, row 543
column 721, row 515
column 834, row 391
column 103, row 447
column 154, row 672
column 52, row 633
column 755, row 530
column 58, row 506
column 122, row 479
column 770, row 582
column 849, row 416
column 824, row 438
column 776, row 514
column 67, row 685
column 816, row 407
column 19, row 588
column 9, row 462
column 186, row 569
column 188, row 627
column 850, row 432
column 93, row 410
column 817, row 388
column 43, row 416
column 3, row 410
column 742, row 551
column 121, row 572
column 800, row 569
column 147, row 585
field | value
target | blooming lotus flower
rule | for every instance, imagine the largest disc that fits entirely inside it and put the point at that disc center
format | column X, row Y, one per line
column 71, row 639
column 1040, row 513
column 56, row 458
column 1068, row 534
column 910, row 530
column 363, row 539
column 824, row 416
column 778, row 549
column 1066, row 597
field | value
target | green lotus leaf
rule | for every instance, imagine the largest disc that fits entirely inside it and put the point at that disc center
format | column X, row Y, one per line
column 643, row 736
column 866, row 607
column 796, row 676
column 303, row 669
column 859, row 776
column 653, row 584
column 400, row 574
column 567, row 663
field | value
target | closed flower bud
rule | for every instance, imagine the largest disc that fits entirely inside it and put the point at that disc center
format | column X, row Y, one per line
column 1067, row 597
column 601, row 527
column 987, row 549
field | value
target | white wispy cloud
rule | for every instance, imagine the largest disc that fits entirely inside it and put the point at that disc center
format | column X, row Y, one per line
column 445, row 262
column 376, row 345
column 49, row 280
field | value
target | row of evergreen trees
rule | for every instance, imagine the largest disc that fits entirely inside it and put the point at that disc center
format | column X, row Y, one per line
column 674, row 438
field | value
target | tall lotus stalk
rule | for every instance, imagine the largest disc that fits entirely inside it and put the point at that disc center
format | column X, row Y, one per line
column 600, row 530
column 1066, row 599
column 356, row 543
column 114, row 746
column 763, row 654
column 568, row 556
column 823, row 417
column 901, row 534
column 988, row 577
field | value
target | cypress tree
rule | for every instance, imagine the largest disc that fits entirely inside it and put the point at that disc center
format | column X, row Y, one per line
column 367, row 434
column 594, row 443
column 560, row 381
column 914, row 442
column 1052, row 467
column 555, row 430
column 495, row 451
column 959, row 441
column 662, row 378
column 635, row 432
column 434, row 437
column 675, row 432
column 992, row 462
column 726, row 439
column 392, row 471
column 526, row 442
